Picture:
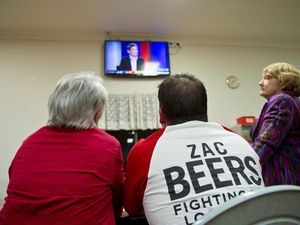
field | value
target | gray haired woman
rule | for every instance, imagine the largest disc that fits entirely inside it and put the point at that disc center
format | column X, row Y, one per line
column 70, row 171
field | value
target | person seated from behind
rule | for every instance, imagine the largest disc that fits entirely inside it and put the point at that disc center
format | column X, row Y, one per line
column 190, row 166
column 132, row 62
column 68, row 172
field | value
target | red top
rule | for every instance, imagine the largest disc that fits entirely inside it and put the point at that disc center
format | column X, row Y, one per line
column 65, row 176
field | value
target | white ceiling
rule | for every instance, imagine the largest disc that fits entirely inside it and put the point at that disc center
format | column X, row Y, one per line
column 265, row 20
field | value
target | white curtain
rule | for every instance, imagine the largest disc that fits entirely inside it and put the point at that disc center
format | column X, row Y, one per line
column 131, row 112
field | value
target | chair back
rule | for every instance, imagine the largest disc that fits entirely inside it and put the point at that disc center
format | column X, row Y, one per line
column 274, row 205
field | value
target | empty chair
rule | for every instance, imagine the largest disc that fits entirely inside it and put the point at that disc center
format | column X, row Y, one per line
column 274, row 205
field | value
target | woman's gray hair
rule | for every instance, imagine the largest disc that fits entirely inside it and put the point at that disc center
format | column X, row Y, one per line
column 76, row 100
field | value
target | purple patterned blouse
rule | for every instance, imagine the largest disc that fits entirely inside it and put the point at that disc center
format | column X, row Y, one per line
column 276, row 139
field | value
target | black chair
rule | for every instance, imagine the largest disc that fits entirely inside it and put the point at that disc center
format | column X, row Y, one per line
column 132, row 221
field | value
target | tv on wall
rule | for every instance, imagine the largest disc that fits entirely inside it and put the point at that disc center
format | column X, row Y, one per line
column 136, row 58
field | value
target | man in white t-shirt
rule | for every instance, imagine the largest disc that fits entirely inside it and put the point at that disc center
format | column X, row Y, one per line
column 190, row 166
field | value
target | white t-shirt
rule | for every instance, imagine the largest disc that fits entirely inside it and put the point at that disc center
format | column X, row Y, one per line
column 179, row 173
column 133, row 62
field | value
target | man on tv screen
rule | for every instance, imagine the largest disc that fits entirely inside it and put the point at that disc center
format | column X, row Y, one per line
column 132, row 62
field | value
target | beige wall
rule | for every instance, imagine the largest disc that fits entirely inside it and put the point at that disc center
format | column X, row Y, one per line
column 30, row 69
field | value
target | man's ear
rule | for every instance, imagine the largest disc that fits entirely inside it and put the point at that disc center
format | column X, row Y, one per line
column 162, row 118
column 97, row 117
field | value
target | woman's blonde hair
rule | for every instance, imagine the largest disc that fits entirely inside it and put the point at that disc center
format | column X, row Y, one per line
column 287, row 74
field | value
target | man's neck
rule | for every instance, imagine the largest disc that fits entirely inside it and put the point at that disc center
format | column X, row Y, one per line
column 133, row 57
column 186, row 119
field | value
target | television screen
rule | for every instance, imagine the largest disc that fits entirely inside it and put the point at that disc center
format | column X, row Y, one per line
column 136, row 58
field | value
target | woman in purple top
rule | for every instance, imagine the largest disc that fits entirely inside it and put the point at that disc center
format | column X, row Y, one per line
column 276, row 136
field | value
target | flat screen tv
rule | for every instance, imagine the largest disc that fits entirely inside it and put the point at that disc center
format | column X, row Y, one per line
column 136, row 58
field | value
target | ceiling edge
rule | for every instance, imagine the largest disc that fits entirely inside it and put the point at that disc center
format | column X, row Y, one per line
column 190, row 40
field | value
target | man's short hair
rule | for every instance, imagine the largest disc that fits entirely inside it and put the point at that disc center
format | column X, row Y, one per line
column 129, row 46
column 182, row 98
